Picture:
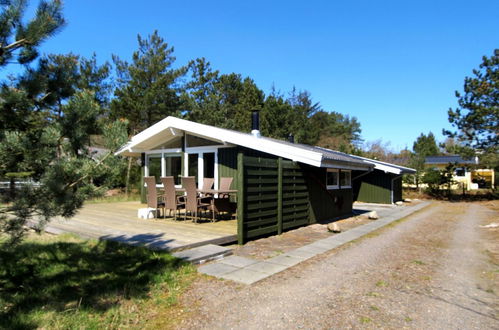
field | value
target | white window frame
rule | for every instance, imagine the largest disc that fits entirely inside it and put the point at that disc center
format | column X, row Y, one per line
column 350, row 179
column 337, row 185
column 201, row 151
column 163, row 154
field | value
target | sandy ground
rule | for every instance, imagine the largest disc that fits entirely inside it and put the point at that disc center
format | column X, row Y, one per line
column 437, row 269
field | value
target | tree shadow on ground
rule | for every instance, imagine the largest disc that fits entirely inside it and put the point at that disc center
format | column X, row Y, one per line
column 59, row 276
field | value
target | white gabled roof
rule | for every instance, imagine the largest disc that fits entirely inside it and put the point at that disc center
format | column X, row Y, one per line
column 171, row 127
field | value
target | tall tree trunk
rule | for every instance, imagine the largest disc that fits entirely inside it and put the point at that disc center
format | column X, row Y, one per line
column 127, row 183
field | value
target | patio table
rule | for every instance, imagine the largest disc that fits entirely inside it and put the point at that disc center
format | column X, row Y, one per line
column 219, row 204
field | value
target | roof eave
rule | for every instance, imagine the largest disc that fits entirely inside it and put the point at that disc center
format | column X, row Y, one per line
column 337, row 164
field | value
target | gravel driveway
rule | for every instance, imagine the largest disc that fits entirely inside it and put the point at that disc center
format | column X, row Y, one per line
column 437, row 269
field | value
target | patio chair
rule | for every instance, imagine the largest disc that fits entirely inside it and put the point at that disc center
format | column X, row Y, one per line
column 192, row 202
column 207, row 184
column 172, row 201
column 225, row 183
column 153, row 200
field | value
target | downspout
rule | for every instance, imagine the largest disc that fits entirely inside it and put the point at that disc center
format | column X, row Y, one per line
column 391, row 190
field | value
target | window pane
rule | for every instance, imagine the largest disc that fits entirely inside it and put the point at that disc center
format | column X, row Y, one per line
column 155, row 168
column 332, row 178
column 174, row 167
column 345, row 179
column 193, row 166
column 209, row 165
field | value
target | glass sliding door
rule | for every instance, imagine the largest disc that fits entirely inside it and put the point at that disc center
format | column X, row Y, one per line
column 209, row 165
column 173, row 167
column 202, row 164
column 192, row 169
column 154, row 166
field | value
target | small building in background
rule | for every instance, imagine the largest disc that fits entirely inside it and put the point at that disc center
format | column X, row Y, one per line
column 467, row 175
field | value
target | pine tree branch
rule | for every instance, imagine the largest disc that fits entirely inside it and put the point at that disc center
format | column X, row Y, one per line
column 16, row 44
column 99, row 163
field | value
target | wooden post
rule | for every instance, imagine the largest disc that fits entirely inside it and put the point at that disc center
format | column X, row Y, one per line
column 279, row 195
column 240, row 198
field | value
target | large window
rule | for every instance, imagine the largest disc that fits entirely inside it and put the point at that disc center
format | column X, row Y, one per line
column 173, row 167
column 193, row 166
column 345, row 179
column 209, row 165
column 332, row 179
column 155, row 167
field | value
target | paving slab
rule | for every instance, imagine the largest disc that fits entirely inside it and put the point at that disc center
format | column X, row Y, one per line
column 266, row 267
column 313, row 249
column 321, row 247
column 245, row 276
column 285, row 260
column 301, row 254
column 238, row 261
column 217, row 269
column 203, row 253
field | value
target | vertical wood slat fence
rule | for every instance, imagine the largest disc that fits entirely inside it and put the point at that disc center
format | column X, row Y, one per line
column 273, row 197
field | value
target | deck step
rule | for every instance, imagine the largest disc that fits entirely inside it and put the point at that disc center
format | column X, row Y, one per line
column 202, row 254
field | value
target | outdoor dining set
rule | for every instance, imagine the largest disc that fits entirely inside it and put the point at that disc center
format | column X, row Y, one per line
column 195, row 201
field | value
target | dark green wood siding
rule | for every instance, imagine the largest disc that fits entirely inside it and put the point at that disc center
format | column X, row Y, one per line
column 376, row 187
column 325, row 204
column 274, row 197
column 295, row 198
column 227, row 165
column 260, row 195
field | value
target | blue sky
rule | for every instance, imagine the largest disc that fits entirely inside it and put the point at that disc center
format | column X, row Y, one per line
column 393, row 64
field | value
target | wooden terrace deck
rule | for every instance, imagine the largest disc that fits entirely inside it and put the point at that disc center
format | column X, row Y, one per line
column 119, row 221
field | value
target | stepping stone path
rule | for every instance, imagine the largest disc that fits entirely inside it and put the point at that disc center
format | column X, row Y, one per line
column 248, row 271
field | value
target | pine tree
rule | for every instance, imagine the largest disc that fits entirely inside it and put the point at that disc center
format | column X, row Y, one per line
column 47, row 114
column 477, row 118
column 147, row 88
column 24, row 38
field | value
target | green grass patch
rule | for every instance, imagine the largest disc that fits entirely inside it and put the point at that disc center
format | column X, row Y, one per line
column 418, row 262
column 365, row 319
column 64, row 282
column 381, row 284
column 373, row 294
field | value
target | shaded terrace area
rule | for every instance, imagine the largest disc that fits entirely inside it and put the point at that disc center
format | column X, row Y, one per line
column 119, row 221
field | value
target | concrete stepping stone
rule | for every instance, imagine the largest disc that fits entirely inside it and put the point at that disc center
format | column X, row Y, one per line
column 217, row 269
column 202, row 254
column 238, row 261
column 266, row 267
column 245, row 276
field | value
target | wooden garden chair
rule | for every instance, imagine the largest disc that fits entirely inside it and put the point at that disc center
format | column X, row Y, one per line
column 193, row 203
column 207, row 184
column 172, row 201
column 225, row 185
column 153, row 200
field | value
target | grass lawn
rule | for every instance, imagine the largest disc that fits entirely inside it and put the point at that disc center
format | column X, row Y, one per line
column 62, row 281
